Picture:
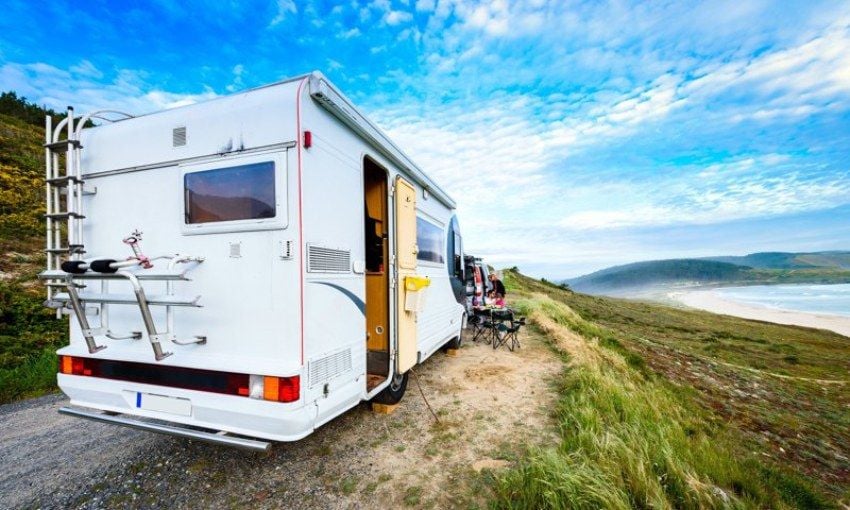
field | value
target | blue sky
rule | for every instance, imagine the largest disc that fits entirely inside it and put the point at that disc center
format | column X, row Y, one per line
column 574, row 135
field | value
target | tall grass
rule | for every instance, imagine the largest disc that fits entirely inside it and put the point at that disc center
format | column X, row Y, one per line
column 631, row 440
column 35, row 376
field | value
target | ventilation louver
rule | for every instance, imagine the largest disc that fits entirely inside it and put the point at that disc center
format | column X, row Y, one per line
column 327, row 260
column 178, row 137
column 324, row 369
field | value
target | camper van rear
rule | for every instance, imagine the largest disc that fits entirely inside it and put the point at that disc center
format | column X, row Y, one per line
column 253, row 265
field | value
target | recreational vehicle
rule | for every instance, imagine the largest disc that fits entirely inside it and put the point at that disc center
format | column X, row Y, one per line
column 245, row 269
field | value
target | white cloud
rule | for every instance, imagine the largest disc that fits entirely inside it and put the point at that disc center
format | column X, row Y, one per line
column 284, row 9
column 349, row 34
column 86, row 68
column 425, row 5
column 397, row 17
column 127, row 91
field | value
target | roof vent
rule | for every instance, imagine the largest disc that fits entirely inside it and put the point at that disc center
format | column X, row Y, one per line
column 178, row 137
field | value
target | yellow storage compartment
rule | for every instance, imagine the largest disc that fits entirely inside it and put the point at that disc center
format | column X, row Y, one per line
column 414, row 292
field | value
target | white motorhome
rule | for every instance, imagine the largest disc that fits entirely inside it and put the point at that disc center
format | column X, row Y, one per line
column 247, row 268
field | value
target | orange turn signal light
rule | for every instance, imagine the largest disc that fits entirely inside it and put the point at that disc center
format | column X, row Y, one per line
column 73, row 366
column 281, row 389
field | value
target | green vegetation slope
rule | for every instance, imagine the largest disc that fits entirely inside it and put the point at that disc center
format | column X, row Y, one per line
column 784, row 260
column 756, row 268
column 670, row 408
column 29, row 333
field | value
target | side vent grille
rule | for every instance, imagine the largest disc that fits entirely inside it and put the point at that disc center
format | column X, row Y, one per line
column 327, row 260
column 178, row 137
column 324, row 369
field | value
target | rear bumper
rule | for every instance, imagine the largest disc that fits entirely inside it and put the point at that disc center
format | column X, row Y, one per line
column 210, row 437
column 234, row 414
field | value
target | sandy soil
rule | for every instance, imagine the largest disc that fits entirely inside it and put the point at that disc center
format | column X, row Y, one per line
column 490, row 404
column 711, row 301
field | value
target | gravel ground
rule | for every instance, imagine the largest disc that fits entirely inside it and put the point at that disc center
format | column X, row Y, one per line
column 490, row 403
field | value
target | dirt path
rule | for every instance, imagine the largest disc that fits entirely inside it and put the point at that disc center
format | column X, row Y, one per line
column 489, row 403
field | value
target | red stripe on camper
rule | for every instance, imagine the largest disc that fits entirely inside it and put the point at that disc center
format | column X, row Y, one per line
column 300, row 213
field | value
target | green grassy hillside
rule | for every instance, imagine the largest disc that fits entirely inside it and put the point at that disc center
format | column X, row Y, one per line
column 671, row 408
column 29, row 333
column 784, row 260
column 767, row 268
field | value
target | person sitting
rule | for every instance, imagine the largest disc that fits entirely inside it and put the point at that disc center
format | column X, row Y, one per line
column 498, row 300
column 498, row 286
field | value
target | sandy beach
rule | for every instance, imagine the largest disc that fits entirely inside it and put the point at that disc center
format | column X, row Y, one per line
column 710, row 300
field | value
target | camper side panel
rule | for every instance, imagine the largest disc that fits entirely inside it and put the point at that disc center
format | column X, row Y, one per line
column 334, row 290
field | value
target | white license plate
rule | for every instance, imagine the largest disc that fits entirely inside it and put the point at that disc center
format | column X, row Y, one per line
column 163, row 404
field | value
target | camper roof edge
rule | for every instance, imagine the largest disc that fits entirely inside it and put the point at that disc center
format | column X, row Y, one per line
column 327, row 95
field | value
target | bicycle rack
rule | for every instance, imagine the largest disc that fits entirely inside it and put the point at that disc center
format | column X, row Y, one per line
column 77, row 301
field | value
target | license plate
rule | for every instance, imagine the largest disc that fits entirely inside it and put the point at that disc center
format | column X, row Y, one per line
column 163, row 404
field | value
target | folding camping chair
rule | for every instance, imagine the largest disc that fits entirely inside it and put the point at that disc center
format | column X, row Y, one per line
column 507, row 332
column 482, row 324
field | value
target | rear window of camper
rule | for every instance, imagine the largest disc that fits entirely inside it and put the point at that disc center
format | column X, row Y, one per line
column 429, row 238
column 244, row 192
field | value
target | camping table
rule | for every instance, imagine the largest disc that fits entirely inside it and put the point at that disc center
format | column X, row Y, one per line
column 495, row 317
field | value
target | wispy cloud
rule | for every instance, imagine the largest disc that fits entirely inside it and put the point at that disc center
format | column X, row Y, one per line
column 285, row 8
column 560, row 127
column 127, row 89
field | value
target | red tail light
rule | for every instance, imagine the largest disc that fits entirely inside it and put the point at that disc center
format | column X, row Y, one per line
column 282, row 389
column 73, row 366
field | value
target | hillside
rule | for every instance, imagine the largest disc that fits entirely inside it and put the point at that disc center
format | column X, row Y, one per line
column 756, row 268
column 784, row 260
column 663, row 407
column 640, row 274
column 29, row 333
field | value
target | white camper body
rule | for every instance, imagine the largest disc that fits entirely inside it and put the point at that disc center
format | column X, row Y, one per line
column 311, row 265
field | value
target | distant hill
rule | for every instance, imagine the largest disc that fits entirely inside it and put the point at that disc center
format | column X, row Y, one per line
column 767, row 267
column 641, row 274
column 784, row 260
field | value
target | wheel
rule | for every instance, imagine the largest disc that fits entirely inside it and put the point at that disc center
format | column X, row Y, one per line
column 457, row 341
column 392, row 394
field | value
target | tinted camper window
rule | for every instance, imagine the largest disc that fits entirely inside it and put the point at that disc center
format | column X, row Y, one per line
column 454, row 250
column 429, row 238
column 227, row 194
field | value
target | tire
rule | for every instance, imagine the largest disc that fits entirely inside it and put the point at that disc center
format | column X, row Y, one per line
column 457, row 341
column 393, row 393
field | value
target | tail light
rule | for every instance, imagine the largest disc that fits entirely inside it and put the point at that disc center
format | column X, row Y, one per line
column 281, row 389
column 74, row 366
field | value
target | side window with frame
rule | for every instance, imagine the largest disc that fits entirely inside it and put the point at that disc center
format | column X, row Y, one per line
column 454, row 250
column 245, row 192
column 429, row 239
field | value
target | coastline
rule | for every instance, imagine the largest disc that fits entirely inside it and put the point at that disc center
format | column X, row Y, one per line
column 710, row 301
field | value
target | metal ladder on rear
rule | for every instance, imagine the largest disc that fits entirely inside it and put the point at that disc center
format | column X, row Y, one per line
column 64, row 191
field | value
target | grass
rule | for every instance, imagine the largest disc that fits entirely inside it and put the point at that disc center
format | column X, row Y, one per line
column 35, row 376
column 633, row 434
column 29, row 337
column 28, row 332
column 412, row 495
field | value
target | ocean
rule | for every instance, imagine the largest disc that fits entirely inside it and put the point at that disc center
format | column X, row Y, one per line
column 825, row 299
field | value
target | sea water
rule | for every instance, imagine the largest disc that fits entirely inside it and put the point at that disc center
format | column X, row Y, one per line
column 824, row 299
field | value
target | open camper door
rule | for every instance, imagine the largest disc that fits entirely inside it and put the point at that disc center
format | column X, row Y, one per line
column 405, row 234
